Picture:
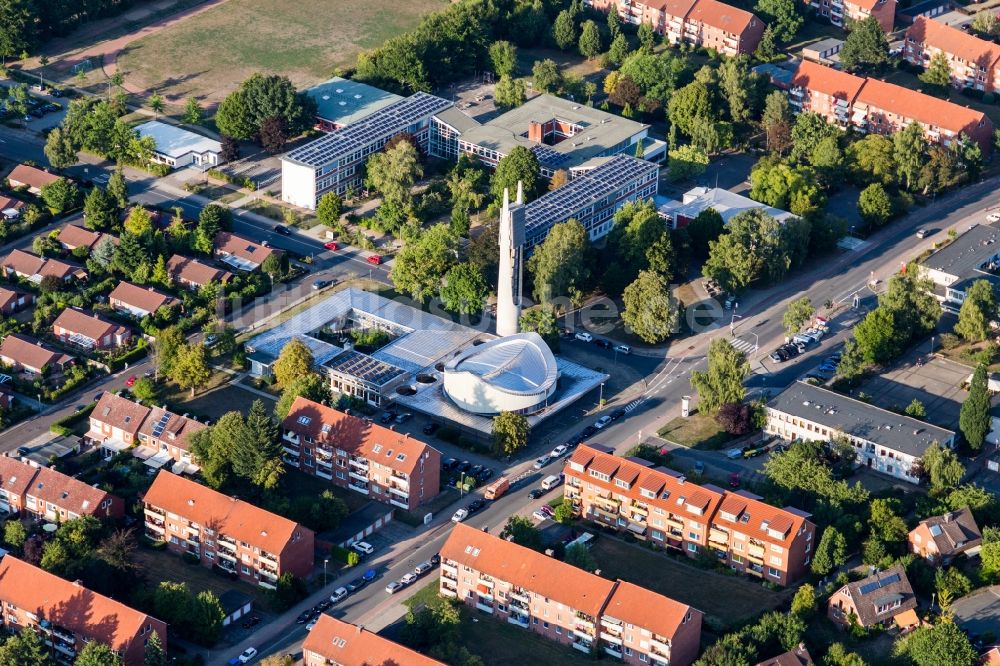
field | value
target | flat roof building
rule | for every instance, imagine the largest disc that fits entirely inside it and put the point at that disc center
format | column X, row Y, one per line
column 883, row 441
column 177, row 147
column 725, row 203
column 341, row 102
column 973, row 255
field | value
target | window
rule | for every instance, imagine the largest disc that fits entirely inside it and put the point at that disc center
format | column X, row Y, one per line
column 304, row 420
column 628, row 652
column 559, row 630
column 692, row 547
column 545, row 625
column 773, row 573
column 245, row 569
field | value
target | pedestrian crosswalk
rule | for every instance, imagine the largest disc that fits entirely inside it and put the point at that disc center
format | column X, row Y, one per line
column 742, row 345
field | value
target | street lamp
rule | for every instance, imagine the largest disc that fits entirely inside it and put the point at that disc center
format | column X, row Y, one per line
column 325, row 562
column 600, row 399
column 732, row 321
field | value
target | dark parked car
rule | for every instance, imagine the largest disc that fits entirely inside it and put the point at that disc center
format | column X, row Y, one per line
column 603, row 344
column 282, row 229
column 536, row 493
column 476, row 469
column 449, row 463
column 304, row 616
column 356, row 585
column 485, row 475
column 23, row 450
column 431, row 428
column 436, row 559
column 476, row 505
column 617, row 414
column 589, row 431
column 387, row 417
column 463, row 466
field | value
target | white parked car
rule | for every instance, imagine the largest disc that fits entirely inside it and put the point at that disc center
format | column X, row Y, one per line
column 623, row 349
column 583, row 336
column 459, row 516
column 993, row 217
column 363, row 547
column 394, row 587
column 601, row 422
column 309, row 627
column 539, row 515
column 338, row 595
column 247, row 655
column 408, row 579
column 559, row 451
column 541, row 462
column 423, row 568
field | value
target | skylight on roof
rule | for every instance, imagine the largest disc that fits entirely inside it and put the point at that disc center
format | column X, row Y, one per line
column 401, row 457
column 326, row 427
column 305, row 420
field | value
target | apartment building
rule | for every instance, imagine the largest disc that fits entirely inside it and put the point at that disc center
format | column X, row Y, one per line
column 45, row 494
column 67, row 615
column 705, row 23
column 659, row 505
column 88, row 330
column 940, row 539
column 333, row 642
column 973, row 61
column 225, row 533
column 138, row 301
column 364, row 457
column 884, row 598
column 843, row 12
column 115, row 423
column 165, row 438
column 335, row 161
column 566, row 604
column 884, row 441
column 872, row 106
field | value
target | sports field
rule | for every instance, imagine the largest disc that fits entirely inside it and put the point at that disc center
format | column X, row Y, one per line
column 207, row 55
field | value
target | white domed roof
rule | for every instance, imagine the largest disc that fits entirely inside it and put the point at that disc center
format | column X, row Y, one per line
column 518, row 364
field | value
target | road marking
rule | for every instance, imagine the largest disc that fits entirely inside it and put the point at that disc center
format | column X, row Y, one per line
column 744, row 346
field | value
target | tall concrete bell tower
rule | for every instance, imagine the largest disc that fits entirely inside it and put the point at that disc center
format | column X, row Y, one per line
column 511, row 263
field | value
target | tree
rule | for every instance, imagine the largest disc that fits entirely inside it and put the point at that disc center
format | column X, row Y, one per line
column 916, row 409
column 986, row 23
column 809, row 129
column 273, row 134
column 310, row 386
column 392, row 173
column 522, row 531
column 750, row 249
column 164, row 349
column 98, row 210
column 767, row 48
column 424, row 261
column 735, row 418
column 943, row 643
column 543, row 321
column 192, row 111
column 118, row 190
column 978, row 310
column 60, row 195
column 144, row 389
column 519, row 166
column 799, row 312
column 155, row 655
column 908, row 149
column 546, row 75
column 938, row 72
column 558, row 266
column 464, row 290
column 190, row 367
column 559, row 178
column 139, row 222
column 687, row 161
column 884, row 523
column 689, row 104
column 503, row 55
column 830, row 553
column 17, row 28
column 722, row 383
column 804, row 601
column 509, row 93
column 156, row 103
column 647, row 36
column 329, row 208
column 619, row 48
column 865, row 47
column 941, row 468
column 580, row 556
column 230, row 149
column 233, row 118
column 15, row 534
column 130, row 255
column 266, row 466
column 96, row 654
column 564, row 30
column 650, row 311
column 875, row 205
column 24, row 648
column 777, row 122
column 783, row 15
column 590, row 40
column 974, row 419
column 564, row 512
column 510, row 433
column 17, row 100
column 872, row 159
column 59, row 149
column 294, row 361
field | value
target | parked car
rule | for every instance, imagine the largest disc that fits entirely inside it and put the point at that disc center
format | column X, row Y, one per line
column 475, row 505
column 338, row 595
column 370, row 575
column 449, row 463
column 734, row 480
column 247, row 655
column 476, row 469
column 601, row 422
column 541, row 462
column 23, row 450
column 778, row 356
column 484, row 475
column 618, row 413
column 538, row 514
column 699, row 467
column 331, row 246
column 623, row 349
column 559, row 451
column 734, row 454
column 603, row 344
column 463, row 466
column 394, row 587
column 130, row 382
column 363, row 547
column 431, row 428
column 386, row 417
column 319, row 284
column 435, row 559
column 374, row 259
column 536, row 493
column 589, row 431
column 423, row 568
column 282, row 229
column 211, row 339
column 993, row 217
column 356, row 585
column 583, row 336
column 408, row 579
column 922, row 233
column 459, row 516
column 404, row 417
column 309, row 627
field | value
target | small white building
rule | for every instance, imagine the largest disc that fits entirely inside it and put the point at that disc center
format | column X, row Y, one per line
column 177, row 147
column 727, row 204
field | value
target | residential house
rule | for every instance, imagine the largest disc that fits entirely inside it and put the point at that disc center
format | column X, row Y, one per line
column 193, row 274
column 239, row 252
column 31, row 177
column 115, row 423
column 33, row 268
column 10, row 209
column 24, row 354
column 941, row 539
column 971, row 256
column 797, row 657
column 333, row 641
column 67, row 615
column 178, row 147
column 72, row 236
column 972, row 61
column 12, row 300
column 872, row 106
column 843, row 12
column 139, row 301
column 882, row 598
column 165, row 437
column 89, row 330
column 661, row 506
column 884, row 441
column 364, row 457
column 45, row 494
column 566, row 604
column 226, row 533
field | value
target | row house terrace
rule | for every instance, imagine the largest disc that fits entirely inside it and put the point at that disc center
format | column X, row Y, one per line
column 973, row 61
column 45, row 494
column 67, row 616
column 659, row 505
column 225, row 533
column 364, row 457
column 563, row 603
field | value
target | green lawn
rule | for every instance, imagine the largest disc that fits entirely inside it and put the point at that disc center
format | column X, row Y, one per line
column 207, row 55
column 727, row 599
column 226, row 398
column 698, row 431
column 162, row 565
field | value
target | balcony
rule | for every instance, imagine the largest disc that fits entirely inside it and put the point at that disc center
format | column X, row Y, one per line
column 225, row 556
column 448, row 591
column 401, row 504
column 613, row 650
column 518, row 620
column 358, row 487
column 400, row 492
column 291, row 453
column 227, row 543
column 486, row 608
column 324, row 474
column 519, row 595
column 290, row 436
column 290, row 460
column 583, row 634
column 639, row 508
column 488, row 582
column 360, row 463
column 155, row 528
column 582, row 646
column 153, row 511
column 718, row 536
column 449, row 571
column 598, row 513
column 358, row 476
column 611, row 638
column 660, row 646
column 674, row 523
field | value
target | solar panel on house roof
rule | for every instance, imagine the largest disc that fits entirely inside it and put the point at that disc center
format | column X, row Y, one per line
column 882, row 582
column 161, row 424
column 364, row 367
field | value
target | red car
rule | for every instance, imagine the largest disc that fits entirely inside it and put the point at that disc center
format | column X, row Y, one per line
column 330, row 246
column 375, row 259
column 130, row 382
column 734, row 480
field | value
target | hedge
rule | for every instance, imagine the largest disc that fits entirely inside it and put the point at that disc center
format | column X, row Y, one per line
column 64, row 426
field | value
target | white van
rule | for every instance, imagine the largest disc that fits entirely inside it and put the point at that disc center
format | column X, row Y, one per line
column 550, row 482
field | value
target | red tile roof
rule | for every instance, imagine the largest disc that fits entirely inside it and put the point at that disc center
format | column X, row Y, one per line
column 958, row 43
column 9, row 296
column 758, row 519
column 674, row 7
column 51, row 486
column 73, row 236
column 176, row 429
column 140, row 298
column 195, row 272
column 244, row 248
column 827, row 80
column 6, row 202
column 647, row 609
column 233, row 517
column 31, row 353
column 722, row 16
column 526, row 568
column 15, row 476
column 919, row 107
column 69, row 605
column 28, row 264
column 397, row 451
column 119, row 412
column 798, row 657
column 31, row 176
column 90, row 324
column 343, row 643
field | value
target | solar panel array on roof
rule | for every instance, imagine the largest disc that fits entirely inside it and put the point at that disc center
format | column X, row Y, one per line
column 161, row 424
column 548, row 157
column 364, row 367
column 882, row 582
column 385, row 122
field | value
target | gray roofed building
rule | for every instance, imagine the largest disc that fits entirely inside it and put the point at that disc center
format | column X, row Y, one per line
column 973, row 255
column 884, row 441
column 883, row 597
column 340, row 101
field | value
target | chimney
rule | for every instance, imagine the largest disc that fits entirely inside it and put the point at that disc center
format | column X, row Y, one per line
column 535, row 131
